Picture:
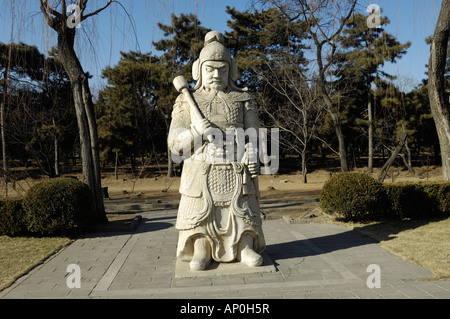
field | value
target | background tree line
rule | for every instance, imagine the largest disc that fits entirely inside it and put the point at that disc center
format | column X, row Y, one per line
column 277, row 58
column 39, row 114
column 322, row 86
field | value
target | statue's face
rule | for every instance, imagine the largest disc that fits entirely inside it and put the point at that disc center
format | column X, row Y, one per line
column 215, row 75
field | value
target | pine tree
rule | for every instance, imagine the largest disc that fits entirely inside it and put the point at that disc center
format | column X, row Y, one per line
column 365, row 51
column 134, row 108
column 182, row 44
column 419, row 123
column 40, row 122
column 126, row 108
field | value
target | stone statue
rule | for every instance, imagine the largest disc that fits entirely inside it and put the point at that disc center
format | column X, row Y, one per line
column 219, row 215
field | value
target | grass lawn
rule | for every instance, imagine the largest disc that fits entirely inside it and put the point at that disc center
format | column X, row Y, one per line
column 423, row 242
column 18, row 255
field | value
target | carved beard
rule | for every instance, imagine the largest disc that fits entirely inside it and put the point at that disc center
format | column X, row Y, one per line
column 210, row 93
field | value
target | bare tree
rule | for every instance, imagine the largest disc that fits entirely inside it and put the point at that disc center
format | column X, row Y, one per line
column 2, row 111
column 324, row 30
column 65, row 26
column 299, row 113
column 439, row 99
column 384, row 170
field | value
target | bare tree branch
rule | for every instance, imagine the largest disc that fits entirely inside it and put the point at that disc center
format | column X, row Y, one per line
column 48, row 9
column 63, row 9
column 48, row 12
column 83, row 8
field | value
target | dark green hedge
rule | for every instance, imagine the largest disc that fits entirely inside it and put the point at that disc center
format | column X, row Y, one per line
column 59, row 206
column 358, row 197
column 418, row 200
column 12, row 215
column 353, row 196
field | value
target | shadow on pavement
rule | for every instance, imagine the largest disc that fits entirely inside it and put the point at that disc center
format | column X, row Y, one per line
column 359, row 236
column 316, row 246
column 141, row 225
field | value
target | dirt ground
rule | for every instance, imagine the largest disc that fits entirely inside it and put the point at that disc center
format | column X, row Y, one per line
column 272, row 187
column 164, row 188
column 281, row 187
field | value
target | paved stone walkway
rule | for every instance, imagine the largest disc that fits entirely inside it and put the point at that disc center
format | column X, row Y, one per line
column 312, row 261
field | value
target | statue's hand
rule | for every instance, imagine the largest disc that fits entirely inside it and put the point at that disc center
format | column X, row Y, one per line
column 203, row 127
column 253, row 169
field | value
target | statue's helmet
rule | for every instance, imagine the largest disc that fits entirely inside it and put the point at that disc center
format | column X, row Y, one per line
column 214, row 50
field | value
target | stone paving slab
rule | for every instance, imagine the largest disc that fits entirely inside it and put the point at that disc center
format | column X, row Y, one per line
column 311, row 261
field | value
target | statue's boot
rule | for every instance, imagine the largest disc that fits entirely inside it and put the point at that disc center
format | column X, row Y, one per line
column 202, row 255
column 246, row 254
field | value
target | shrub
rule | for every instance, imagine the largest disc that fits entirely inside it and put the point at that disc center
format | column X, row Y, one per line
column 59, row 206
column 12, row 217
column 353, row 196
column 418, row 200
column 440, row 194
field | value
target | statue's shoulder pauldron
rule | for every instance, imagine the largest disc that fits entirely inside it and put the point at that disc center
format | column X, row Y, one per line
column 239, row 96
column 180, row 105
column 180, row 99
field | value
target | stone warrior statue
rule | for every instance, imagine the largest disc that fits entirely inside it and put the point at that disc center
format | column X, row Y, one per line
column 219, row 215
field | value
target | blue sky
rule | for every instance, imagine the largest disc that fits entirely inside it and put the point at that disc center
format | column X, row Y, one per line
column 103, row 37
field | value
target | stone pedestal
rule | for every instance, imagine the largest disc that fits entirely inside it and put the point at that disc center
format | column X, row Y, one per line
column 182, row 269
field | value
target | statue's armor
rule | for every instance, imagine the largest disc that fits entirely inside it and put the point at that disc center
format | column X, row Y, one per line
column 225, row 110
column 221, row 198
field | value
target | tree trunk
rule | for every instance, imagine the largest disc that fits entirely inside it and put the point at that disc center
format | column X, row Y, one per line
column 408, row 161
column 56, row 156
column 169, row 153
column 305, row 145
column 169, row 163
column 384, row 170
column 3, row 118
column 85, row 119
column 5, row 164
column 370, row 142
column 436, row 85
column 92, row 125
column 116, row 171
column 56, row 153
column 341, row 140
column 338, row 129
column 304, row 169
